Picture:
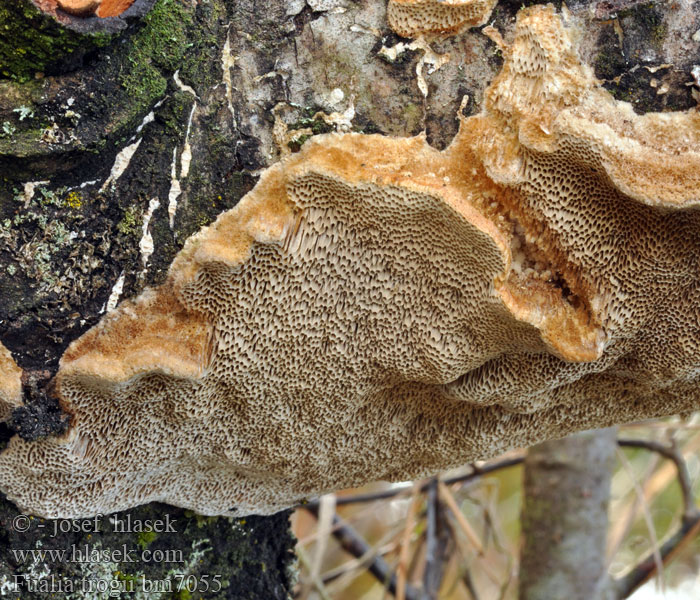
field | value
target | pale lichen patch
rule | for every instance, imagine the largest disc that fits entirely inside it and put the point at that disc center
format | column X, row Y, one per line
column 115, row 294
column 121, row 163
column 146, row 242
column 175, row 190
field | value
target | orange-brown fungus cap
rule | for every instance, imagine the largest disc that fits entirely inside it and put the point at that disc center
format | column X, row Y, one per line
column 79, row 8
column 86, row 8
column 113, row 8
column 376, row 309
column 10, row 384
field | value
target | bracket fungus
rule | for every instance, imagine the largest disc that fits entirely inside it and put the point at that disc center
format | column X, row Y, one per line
column 377, row 309
column 86, row 8
column 79, row 8
column 10, row 384
column 411, row 18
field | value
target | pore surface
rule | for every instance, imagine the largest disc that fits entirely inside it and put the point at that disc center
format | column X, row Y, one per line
column 377, row 309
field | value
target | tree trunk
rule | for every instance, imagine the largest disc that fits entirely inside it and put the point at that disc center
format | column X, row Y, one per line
column 565, row 518
column 108, row 162
column 122, row 136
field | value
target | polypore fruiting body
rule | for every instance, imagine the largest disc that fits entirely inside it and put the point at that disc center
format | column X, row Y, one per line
column 112, row 8
column 411, row 18
column 376, row 309
column 10, row 384
column 85, row 8
column 79, row 8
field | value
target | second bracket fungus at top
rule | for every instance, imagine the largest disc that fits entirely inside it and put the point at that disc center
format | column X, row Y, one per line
column 412, row 18
column 79, row 8
column 64, row 10
column 376, row 309
column 85, row 8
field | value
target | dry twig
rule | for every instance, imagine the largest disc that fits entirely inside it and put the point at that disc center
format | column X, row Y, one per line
column 402, row 567
column 353, row 543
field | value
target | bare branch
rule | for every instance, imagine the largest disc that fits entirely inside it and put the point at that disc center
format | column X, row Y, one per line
column 646, row 512
column 646, row 569
column 438, row 544
column 690, row 523
column 464, row 525
column 476, row 473
column 673, row 454
column 469, row 584
column 353, row 543
column 434, row 551
column 402, row 566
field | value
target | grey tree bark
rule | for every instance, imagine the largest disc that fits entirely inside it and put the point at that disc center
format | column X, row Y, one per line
column 565, row 518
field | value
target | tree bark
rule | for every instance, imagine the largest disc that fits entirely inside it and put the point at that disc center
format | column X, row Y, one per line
column 97, row 136
column 565, row 518
column 120, row 138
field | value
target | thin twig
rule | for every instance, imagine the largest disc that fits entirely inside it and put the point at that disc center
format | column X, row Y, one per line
column 356, row 546
column 629, row 503
column 353, row 543
column 402, row 567
column 476, row 473
column 347, row 570
column 469, row 584
column 439, row 543
column 417, row 564
column 646, row 569
column 655, row 547
column 325, row 521
column 690, row 523
column 494, row 525
column 431, row 575
column 464, row 525
column 320, row 588
column 672, row 453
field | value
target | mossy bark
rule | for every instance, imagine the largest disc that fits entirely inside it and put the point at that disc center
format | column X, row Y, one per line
column 88, row 139
column 150, row 552
column 147, row 131
column 32, row 41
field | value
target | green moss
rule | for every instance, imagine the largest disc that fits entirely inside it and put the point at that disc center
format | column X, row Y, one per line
column 307, row 121
column 412, row 114
column 174, row 112
column 145, row 538
column 205, row 46
column 157, row 48
column 31, row 41
column 658, row 35
column 296, row 144
column 200, row 520
column 609, row 64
